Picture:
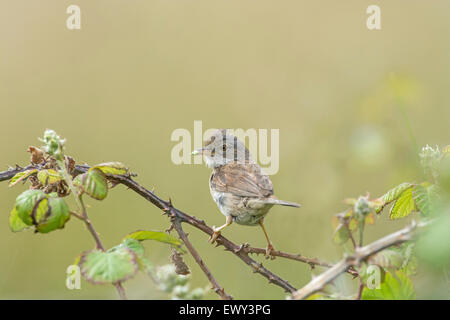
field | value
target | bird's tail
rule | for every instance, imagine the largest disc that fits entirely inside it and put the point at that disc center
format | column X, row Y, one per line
column 285, row 203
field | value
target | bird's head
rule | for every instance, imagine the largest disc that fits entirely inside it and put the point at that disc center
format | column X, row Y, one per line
column 222, row 148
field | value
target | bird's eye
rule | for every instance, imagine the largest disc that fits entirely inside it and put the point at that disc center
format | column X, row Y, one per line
column 224, row 148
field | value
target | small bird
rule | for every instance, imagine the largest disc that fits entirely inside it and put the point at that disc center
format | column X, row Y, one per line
column 241, row 190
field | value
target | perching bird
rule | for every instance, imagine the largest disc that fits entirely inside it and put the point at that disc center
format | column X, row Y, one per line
column 243, row 193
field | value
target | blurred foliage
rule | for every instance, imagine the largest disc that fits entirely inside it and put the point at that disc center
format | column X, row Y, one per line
column 431, row 201
column 395, row 286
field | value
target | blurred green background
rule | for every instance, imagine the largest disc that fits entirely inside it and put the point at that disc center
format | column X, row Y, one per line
column 346, row 101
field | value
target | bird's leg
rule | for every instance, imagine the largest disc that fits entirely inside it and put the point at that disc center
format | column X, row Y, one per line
column 269, row 247
column 217, row 231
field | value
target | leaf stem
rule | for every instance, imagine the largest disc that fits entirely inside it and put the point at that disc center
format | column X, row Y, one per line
column 84, row 217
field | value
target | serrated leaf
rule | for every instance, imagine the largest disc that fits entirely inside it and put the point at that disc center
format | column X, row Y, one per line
column 403, row 206
column 394, row 287
column 108, row 267
column 21, row 176
column 49, row 176
column 93, row 183
column 15, row 223
column 26, row 202
column 393, row 194
column 157, row 236
column 112, row 168
column 425, row 196
column 56, row 217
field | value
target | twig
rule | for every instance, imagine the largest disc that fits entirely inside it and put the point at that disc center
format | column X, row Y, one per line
column 11, row 172
column 313, row 262
column 121, row 290
column 76, row 215
column 360, row 289
column 90, row 227
column 350, row 234
column 360, row 255
column 297, row 257
column 183, row 236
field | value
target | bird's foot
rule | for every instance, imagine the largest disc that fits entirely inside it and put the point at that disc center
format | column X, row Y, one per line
column 215, row 235
column 269, row 251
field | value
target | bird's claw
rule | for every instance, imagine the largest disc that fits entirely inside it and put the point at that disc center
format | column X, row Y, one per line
column 215, row 235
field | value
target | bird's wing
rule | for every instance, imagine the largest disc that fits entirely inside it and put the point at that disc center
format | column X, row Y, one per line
column 245, row 180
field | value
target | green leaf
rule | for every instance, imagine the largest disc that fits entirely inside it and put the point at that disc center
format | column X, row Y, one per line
column 341, row 234
column 108, row 267
column 155, row 235
column 56, row 217
column 425, row 196
column 112, row 168
column 394, row 287
column 15, row 223
column 93, row 183
column 393, row 194
column 388, row 259
column 143, row 263
column 433, row 246
column 403, row 206
column 133, row 245
column 49, row 176
column 370, row 218
column 26, row 202
column 21, row 176
column 40, row 211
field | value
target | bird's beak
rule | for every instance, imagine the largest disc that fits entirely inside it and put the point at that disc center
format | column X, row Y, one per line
column 198, row 151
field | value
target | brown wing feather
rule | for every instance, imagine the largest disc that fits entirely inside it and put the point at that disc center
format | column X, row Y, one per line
column 245, row 180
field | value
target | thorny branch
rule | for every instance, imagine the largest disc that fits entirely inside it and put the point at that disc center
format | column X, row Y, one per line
column 241, row 251
column 361, row 254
